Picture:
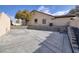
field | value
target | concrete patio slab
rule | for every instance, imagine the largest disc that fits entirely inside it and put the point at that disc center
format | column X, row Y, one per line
column 37, row 41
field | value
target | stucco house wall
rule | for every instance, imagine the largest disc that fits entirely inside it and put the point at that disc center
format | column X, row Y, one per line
column 40, row 17
column 75, row 23
column 4, row 24
column 18, row 22
column 57, row 21
column 61, row 21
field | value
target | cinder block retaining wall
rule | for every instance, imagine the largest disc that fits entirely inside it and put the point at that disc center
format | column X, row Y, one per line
column 48, row 28
column 18, row 27
column 72, row 39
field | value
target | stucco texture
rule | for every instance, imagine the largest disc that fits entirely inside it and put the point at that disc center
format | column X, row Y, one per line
column 4, row 24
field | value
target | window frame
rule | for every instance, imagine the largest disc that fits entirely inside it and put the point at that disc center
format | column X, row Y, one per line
column 71, row 18
column 50, row 24
column 44, row 21
column 35, row 20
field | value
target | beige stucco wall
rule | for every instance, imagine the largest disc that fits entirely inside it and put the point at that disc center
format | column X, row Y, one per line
column 4, row 24
column 56, row 21
column 75, row 23
column 61, row 21
column 40, row 17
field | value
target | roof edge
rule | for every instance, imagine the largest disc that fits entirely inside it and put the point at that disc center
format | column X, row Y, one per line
column 61, row 16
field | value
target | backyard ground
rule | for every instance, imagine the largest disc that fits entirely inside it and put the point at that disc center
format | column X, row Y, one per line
column 38, row 41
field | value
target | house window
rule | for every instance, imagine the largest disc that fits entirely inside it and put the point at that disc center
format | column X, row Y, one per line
column 44, row 21
column 71, row 19
column 35, row 20
column 50, row 24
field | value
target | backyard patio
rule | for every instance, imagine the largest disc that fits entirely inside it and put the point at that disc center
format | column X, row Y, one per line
column 34, row 41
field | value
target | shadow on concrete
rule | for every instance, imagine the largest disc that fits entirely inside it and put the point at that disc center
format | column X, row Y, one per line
column 52, row 44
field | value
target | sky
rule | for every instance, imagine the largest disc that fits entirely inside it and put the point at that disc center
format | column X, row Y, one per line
column 49, row 9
